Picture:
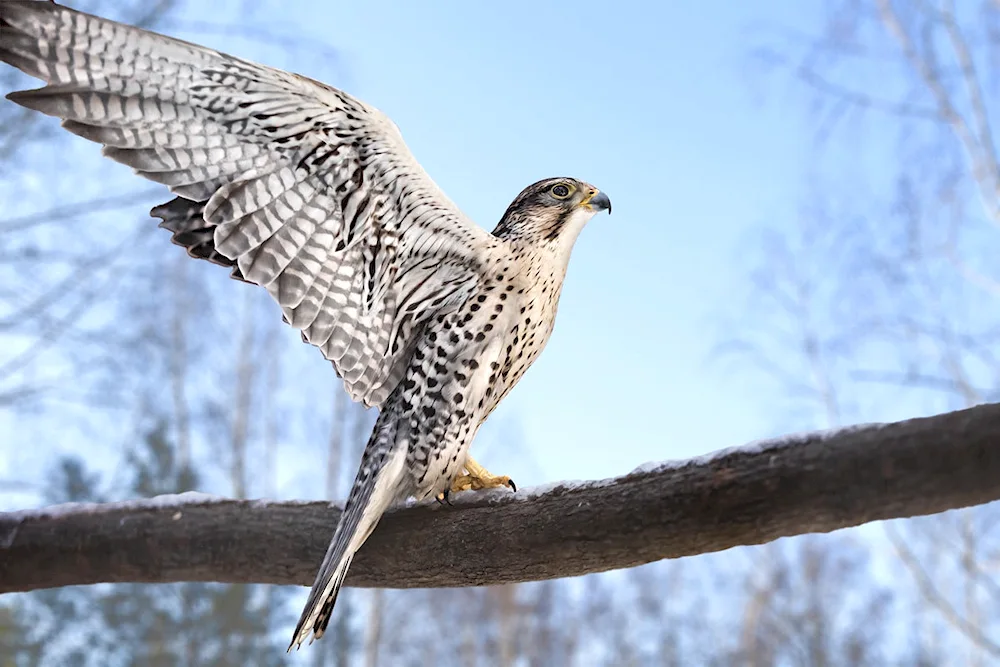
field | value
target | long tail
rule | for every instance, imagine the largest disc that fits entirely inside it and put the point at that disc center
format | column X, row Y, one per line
column 378, row 484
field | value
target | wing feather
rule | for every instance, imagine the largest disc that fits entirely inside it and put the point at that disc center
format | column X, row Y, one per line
column 298, row 186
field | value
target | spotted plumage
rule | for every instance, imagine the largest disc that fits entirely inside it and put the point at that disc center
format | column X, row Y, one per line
column 312, row 194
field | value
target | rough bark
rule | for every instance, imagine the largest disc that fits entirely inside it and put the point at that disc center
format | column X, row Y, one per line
column 815, row 482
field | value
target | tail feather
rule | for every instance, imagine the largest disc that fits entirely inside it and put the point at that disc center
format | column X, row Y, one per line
column 379, row 483
column 326, row 610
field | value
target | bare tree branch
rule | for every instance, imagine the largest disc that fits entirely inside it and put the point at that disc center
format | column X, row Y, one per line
column 70, row 212
column 980, row 113
column 931, row 593
column 984, row 171
column 816, row 482
column 862, row 99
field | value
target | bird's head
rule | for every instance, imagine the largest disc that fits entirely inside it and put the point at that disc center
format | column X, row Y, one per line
column 552, row 210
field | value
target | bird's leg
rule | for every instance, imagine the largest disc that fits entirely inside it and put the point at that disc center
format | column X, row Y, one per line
column 479, row 477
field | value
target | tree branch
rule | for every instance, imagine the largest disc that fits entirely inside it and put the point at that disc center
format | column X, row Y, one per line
column 816, row 482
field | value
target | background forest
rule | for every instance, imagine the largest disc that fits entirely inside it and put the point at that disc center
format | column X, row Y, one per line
column 854, row 282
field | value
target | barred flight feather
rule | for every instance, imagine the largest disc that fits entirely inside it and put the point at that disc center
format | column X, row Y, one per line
column 296, row 185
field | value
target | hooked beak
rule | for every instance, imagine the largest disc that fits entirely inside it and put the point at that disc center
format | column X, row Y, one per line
column 598, row 202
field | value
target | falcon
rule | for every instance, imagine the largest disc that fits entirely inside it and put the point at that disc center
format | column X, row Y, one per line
column 310, row 193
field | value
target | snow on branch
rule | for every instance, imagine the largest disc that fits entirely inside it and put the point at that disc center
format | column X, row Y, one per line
column 816, row 482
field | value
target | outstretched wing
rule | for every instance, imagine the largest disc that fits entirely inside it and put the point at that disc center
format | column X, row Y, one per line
column 300, row 187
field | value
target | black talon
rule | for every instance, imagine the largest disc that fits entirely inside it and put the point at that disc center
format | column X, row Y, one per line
column 442, row 498
column 512, row 485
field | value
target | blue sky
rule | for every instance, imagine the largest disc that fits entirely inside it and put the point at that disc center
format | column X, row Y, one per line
column 655, row 104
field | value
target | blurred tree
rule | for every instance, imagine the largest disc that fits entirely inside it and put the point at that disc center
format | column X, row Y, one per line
column 878, row 305
column 804, row 605
column 174, row 624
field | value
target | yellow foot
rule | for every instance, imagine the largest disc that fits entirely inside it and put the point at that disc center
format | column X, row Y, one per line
column 478, row 478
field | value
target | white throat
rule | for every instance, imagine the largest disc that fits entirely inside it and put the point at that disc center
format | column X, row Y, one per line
column 572, row 225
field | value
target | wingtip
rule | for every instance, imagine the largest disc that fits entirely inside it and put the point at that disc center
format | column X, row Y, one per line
column 16, row 96
column 50, row 100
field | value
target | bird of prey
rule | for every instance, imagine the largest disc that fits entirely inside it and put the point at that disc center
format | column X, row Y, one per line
column 310, row 193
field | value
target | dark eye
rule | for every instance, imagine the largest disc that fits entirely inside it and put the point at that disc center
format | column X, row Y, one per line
column 560, row 191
